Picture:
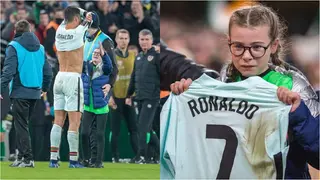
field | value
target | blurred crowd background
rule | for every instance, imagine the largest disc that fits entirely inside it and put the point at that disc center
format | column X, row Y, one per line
column 45, row 17
column 199, row 30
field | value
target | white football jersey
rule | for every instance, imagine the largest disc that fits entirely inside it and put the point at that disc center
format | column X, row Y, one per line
column 70, row 39
column 218, row 130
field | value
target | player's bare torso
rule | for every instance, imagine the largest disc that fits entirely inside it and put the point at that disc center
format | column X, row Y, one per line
column 71, row 61
column 69, row 43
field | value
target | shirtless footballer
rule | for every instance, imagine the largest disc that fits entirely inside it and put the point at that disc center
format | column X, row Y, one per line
column 68, row 89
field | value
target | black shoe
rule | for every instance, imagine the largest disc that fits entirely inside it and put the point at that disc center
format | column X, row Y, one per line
column 16, row 163
column 140, row 160
column 156, row 161
column 133, row 160
column 92, row 160
column 98, row 165
column 92, row 163
column 85, row 163
column 148, row 161
column 26, row 163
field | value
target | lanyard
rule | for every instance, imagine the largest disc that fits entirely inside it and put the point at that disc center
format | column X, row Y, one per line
column 89, row 52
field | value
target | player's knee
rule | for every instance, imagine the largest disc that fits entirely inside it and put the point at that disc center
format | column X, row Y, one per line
column 73, row 126
column 59, row 122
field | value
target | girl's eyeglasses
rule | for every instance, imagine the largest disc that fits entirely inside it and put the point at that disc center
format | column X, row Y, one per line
column 256, row 51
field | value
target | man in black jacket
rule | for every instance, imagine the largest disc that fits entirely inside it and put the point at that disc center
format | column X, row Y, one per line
column 145, row 83
column 26, row 64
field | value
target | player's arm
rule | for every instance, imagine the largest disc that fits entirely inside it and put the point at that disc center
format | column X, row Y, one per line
column 175, row 66
column 305, row 131
column 86, row 21
column 9, row 68
column 86, row 17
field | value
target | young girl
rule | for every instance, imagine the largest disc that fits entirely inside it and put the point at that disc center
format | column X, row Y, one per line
column 256, row 45
column 95, row 75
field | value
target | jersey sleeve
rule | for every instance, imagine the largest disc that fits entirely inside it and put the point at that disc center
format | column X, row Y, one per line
column 168, row 132
column 81, row 29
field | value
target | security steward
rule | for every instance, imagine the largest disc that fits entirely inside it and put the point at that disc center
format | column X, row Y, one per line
column 145, row 83
column 93, row 37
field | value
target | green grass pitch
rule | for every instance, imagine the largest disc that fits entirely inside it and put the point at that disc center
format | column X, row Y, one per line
column 110, row 171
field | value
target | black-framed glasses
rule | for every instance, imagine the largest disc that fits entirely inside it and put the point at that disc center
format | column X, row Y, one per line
column 256, row 51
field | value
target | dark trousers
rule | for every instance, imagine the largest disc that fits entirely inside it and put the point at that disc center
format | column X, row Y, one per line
column 156, row 122
column 130, row 117
column 41, row 139
column 40, row 132
column 93, row 128
column 22, row 109
column 12, row 139
column 154, row 143
column 153, row 147
column 147, row 110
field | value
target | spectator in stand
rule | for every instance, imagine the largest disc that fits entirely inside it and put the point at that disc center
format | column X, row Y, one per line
column 35, row 30
column 136, row 22
column 122, row 8
column 19, row 4
column 44, row 21
column 50, row 32
column 5, row 5
column 8, row 32
column 39, row 7
column 2, row 19
column 3, row 42
column 110, row 20
column 149, row 7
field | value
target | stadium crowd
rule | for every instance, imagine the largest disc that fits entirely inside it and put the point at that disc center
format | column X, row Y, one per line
column 45, row 17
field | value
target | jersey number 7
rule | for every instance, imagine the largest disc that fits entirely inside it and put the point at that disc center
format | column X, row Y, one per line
column 229, row 153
